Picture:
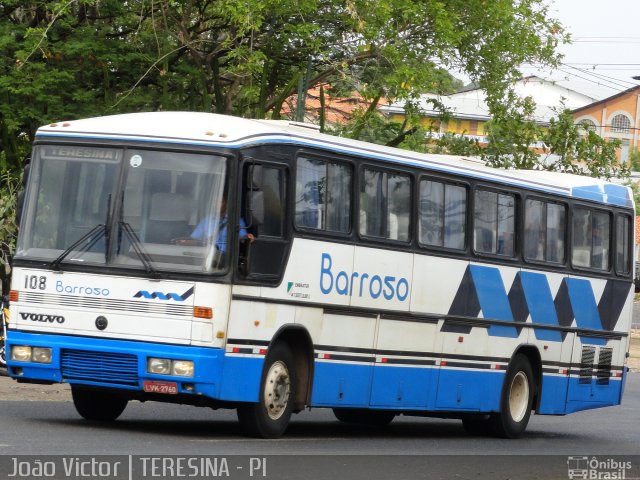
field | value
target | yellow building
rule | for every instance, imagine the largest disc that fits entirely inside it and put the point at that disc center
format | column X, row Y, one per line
column 615, row 117
column 468, row 110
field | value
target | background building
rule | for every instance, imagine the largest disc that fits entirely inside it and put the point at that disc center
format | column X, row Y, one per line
column 469, row 112
column 616, row 117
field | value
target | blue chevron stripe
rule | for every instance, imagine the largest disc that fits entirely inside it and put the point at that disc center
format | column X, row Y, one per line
column 164, row 296
column 541, row 306
column 531, row 296
column 585, row 308
column 493, row 299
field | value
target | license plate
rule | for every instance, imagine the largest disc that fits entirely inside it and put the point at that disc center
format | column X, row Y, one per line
column 170, row 388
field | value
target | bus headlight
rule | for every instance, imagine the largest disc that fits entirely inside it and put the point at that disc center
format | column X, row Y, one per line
column 166, row 366
column 21, row 353
column 159, row 366
column 182, row 368
column 41, row 355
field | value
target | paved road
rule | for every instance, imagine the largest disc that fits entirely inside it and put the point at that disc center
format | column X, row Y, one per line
column 40, row 428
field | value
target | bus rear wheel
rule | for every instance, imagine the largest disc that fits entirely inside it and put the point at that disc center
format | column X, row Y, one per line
column 96, row 405
column 270, row 417
column 516, row 401
column 364, row 417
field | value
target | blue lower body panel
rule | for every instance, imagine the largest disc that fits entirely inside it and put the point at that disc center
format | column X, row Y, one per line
column 341, row 384
column 554, row 395
column 122, row 364
column 585, row 396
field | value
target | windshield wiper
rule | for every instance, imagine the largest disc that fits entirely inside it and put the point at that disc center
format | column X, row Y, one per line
column 136, row 244
column 99, row 231
column 96, row 232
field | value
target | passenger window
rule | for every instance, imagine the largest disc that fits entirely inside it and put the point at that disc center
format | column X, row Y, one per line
column 385, row 205
column 443, row 209
column 544, row 231
column 591, row 232
column 323, row 195
column 494, row 223
column 623, row 245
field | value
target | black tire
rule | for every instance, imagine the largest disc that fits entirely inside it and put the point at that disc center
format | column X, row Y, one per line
column 3, row 354
column 374, row 418
column 97, row 405
column 269, row 418
column 516, row 400
column 477, row 425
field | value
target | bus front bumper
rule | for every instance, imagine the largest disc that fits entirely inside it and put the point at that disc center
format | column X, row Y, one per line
column 116, row 364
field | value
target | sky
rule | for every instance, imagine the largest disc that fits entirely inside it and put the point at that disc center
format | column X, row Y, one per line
column 605, row 52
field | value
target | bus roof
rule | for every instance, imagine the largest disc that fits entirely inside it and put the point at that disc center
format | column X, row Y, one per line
column 197, row 128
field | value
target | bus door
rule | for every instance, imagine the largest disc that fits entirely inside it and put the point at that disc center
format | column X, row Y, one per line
column 263, row 213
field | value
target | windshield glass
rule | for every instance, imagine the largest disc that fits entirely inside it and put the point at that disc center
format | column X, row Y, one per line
column 166, row 214
column 70, row 193
column 173, row 210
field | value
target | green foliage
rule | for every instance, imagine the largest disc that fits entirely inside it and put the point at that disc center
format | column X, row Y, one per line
column 511, row 133
column 453, row 144
column 64, row 59
column 8, row 229
column 580, row 150
column 634, row 159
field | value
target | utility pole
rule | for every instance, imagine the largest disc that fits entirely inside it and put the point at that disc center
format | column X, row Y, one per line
column 303, row 86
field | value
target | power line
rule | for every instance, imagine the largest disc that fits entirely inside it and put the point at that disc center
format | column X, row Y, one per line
column 589, row 64
column 591, row 80
column 615, row 81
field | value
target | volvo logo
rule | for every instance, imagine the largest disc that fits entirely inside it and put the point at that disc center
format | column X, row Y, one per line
column 101, row 323
column 42, row 317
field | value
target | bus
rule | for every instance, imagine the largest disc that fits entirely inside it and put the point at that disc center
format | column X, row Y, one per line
column 266, row 267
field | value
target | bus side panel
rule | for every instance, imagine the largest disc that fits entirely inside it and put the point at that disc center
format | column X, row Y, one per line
column 554, row 395
column 251, row 328
column 404, row 381
column 241, row 376
column 539, row 291
column 595, row 379
column 475, row 358
column 344, row 360
column 337, row 384
column 469, row 390
column 403, row 387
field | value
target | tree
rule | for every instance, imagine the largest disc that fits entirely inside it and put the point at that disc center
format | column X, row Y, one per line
column 580, row 150
column 77, row 58
column 64, row 59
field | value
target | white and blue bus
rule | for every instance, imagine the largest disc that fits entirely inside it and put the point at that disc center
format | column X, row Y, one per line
column 260, row 265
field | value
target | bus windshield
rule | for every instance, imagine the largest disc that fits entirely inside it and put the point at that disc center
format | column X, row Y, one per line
column 138, row 209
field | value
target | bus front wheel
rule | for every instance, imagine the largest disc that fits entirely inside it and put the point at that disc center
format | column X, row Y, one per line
column 516, row 401
column 97, row 405
column 270, row 417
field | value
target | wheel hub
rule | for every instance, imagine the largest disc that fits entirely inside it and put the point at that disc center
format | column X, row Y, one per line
column 519, row 396
column 276, row 390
